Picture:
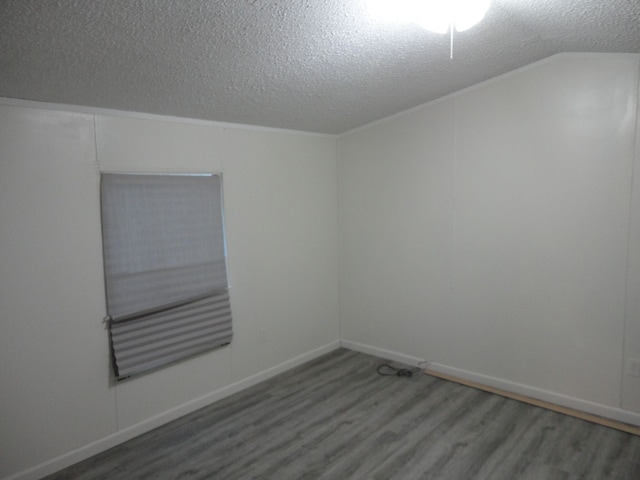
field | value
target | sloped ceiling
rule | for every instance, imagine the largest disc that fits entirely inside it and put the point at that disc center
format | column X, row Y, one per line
column 314, row 65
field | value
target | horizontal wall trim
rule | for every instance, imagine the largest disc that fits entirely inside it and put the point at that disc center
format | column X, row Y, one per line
column 108, row 112
column 87, row 451
column 574, row 403
column 489, row 81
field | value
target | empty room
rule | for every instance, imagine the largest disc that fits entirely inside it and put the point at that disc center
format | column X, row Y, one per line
column 320, row 239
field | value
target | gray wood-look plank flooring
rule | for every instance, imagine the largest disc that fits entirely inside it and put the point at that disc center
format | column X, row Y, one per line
column 336, row 418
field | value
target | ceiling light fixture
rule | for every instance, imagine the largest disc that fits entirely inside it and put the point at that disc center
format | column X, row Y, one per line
column 439, row 16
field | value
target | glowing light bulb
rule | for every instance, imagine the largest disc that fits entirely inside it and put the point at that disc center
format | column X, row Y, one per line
column 434, row 15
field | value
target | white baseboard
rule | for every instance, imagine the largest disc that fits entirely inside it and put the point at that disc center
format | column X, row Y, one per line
column 121, row 436
column 380, row 352
column 540, row 394
column 86, row 451
column 509, row 386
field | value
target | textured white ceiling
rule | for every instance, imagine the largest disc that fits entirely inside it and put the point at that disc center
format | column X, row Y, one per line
column 313, row 65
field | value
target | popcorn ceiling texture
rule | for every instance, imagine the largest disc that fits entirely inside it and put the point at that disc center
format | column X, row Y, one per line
column 312, row 65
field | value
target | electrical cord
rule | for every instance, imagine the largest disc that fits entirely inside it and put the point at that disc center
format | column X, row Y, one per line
column 392, row 371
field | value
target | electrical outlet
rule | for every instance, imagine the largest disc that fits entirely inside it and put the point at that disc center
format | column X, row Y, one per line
column 633, row 367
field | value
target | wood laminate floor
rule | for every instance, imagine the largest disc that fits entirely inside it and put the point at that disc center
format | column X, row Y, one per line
column 335, row 418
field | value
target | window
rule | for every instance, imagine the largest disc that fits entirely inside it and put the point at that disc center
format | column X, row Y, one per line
column 165, row 269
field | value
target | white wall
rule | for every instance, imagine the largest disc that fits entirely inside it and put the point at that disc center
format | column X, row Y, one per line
column 57, row 403
column 495, row 233
column 630, row 384
column 488, row 233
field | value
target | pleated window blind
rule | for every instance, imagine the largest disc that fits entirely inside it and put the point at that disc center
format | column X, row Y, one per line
column 165, row 269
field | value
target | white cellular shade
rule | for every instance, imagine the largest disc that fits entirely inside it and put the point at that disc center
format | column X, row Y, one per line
column 154, row 340
column 164, row 255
